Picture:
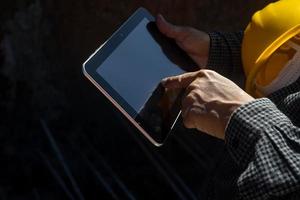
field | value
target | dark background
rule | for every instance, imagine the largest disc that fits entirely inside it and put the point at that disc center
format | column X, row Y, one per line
column 61, row 139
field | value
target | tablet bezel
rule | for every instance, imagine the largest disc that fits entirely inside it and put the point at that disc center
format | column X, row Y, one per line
column 96, row 59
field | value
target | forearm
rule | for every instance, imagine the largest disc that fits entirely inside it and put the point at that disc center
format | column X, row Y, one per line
column 265, row 143
column 225, row 55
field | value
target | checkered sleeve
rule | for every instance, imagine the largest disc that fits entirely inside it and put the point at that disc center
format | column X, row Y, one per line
column 264, row 142
column 225, row 55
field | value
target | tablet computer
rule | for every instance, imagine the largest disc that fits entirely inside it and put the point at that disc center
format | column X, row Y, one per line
column 128, row 69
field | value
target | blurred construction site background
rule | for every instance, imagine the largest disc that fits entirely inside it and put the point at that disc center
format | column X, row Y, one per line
column 61, row 139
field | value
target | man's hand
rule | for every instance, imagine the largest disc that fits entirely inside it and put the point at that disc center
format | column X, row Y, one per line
column 209, row 101
column 194, row 42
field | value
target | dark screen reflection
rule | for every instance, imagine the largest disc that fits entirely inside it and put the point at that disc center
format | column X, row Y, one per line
column 135, row 68
column 170, row 49
column 161, row 110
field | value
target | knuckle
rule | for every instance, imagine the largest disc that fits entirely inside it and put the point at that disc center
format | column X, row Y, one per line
column 206, row 72
column 170, row 79
column 193, row 86
column 188, row 101
column 201, row 72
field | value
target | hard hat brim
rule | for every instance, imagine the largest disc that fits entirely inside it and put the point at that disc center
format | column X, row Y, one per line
column 261, row 60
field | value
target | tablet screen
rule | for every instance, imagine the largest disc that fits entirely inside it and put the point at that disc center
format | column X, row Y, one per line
column 133, row 71
column 136, row 67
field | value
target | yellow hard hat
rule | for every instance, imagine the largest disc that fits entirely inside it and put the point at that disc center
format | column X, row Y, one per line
column 268, row 30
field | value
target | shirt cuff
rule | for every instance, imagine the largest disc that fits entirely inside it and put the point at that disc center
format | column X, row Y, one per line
column 247, row 125
column 218, row 52
column 225, row 55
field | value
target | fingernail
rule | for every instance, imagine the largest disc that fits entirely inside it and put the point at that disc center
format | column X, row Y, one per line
column 161, row 17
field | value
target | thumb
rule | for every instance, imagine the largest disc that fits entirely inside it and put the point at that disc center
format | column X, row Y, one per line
column 180, row 81
column 170, row 30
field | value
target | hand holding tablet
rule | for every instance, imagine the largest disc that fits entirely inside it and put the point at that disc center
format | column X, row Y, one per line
column 128, row 70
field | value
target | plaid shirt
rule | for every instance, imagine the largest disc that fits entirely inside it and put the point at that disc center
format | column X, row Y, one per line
column 263, row 136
